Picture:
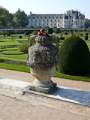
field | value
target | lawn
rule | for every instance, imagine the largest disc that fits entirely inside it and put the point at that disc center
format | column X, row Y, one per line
column 70, row 77
column 22, row 68
column 9, row 50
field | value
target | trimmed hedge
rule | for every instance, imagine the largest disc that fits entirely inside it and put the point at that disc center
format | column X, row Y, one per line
column 86, row 36
column 12, row 61
column 24, row 47
column 12, row 52
column 74, row 56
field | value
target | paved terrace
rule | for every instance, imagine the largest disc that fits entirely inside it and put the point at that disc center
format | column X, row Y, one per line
column 14, row 109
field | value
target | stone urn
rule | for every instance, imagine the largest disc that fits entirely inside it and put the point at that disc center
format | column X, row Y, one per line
column 42, row 58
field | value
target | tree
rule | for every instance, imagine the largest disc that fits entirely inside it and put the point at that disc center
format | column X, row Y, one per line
column 20, row 19
column 5, row 18
column 3, row 11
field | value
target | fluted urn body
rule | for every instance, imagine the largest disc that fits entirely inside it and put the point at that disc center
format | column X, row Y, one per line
column 42, row 58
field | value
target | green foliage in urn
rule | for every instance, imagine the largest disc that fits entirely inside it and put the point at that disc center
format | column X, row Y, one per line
column 74, row 56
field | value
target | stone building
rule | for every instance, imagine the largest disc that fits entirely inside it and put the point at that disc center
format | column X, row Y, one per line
column 71, row 19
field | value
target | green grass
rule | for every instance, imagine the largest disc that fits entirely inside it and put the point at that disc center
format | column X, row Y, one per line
column 9, row 48
column 8, row 42
column 9, row 51
column 70, row 77
column 88, row 43
column 22, row 57
column 12, row 52
column 21, row 68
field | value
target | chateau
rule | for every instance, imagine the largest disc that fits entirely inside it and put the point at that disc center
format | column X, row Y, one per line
column 70, row 20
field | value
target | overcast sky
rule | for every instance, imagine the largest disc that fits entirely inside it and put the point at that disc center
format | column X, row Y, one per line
column 47, row 6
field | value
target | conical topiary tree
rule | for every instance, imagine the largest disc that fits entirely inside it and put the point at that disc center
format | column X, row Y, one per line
column 74, row 56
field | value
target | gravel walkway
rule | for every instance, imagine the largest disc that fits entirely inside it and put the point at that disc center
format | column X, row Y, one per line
column 14, row 109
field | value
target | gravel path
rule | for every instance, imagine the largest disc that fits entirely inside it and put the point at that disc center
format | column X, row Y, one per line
column 14, row 109
column 27, row 77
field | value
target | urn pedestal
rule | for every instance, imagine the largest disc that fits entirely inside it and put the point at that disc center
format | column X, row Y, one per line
column 42, row 81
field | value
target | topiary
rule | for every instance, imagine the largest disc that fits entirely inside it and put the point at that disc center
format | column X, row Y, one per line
column 24, row 47
column 74, row 56
column 62, row 38
column 86, row 36
column 50, row 30
column 20, row 36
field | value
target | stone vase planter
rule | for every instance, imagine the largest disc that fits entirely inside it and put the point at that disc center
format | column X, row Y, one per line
column 42, row 60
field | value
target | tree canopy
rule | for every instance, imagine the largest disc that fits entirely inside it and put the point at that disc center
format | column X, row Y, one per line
column 18, row 19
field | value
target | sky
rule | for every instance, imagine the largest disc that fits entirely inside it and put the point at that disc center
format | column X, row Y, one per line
column 47, row 6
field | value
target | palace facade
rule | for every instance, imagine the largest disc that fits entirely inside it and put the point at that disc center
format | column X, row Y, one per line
column 70, row 20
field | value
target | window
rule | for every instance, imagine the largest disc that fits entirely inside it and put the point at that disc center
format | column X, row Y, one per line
column 33, row 17
column 60, row 17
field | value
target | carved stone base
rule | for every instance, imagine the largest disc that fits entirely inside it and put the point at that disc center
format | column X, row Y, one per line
column 45, row 87
column 42, row 80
